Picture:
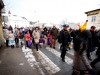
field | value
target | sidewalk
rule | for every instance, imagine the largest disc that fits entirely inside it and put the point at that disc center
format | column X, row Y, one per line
column 13, row 62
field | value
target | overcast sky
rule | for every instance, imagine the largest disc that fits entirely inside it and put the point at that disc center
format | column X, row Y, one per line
column 52, row 10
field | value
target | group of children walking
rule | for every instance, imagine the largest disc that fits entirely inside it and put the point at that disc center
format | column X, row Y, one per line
column 45, row 40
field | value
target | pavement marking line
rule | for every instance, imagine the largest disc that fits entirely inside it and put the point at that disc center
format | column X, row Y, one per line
column 49, row 65
column 68, row 60
column 31, row 59
column 21, row 64
column 70, row 52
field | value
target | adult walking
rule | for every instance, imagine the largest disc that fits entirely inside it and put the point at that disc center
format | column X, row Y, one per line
column 54, row 34
column 64, row 38
column 36, row 35
column 81, row 65
column 97, row 52
column 94, row 37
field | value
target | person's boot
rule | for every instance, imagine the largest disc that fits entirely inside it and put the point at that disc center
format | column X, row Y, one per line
column 63, row 60
column 92, row 65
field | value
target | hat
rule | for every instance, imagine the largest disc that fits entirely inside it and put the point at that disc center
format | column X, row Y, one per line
column 65, row 25
column 93, row 27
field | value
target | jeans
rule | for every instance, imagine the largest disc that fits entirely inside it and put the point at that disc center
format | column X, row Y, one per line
column 20, row 42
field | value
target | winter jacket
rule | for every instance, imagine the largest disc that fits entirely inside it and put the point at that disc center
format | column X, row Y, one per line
column 80, row 56
column 11, row 36
column 94, row 39
column 54, row 33
column 45, row 33
column 10, row 29
column 64, row 37
column 36, row 35
column 49, row 35
column 28, row 37
column 21, row 35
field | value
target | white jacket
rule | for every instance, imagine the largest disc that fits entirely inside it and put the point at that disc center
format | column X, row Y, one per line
column 11, row 36
column 36, row 36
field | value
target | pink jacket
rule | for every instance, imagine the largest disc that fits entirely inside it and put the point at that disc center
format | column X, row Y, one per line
column 49, row 36
column 28, row 37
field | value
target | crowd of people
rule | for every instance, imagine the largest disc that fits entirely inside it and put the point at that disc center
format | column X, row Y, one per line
column 84, row 43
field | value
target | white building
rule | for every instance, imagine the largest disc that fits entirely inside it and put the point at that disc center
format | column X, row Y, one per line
column 15, row 20
column 73, row 25
column 93, row 18
column 18, row 21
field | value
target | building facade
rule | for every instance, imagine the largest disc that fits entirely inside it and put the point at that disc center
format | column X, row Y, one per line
column 17, row 21
column 1, row 30
column 93, row 18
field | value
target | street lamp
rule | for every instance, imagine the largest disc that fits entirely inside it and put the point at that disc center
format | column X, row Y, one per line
column 35, row 15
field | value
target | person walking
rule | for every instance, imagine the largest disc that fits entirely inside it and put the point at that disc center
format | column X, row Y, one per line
column 45, row 33
column 28, row 38
column 97, row 52
column 21, row 36
column 81, row 65
column 54, row 34
column 36, row 35
column 11, row 39
column 64, row 38
column 94, row 37
column 49, row 39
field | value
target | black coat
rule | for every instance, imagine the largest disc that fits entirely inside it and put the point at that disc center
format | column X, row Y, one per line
column 45, row 33
column 94, row 39
column 64, row 37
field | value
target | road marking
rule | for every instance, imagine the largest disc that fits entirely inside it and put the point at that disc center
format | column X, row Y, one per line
column 68, row 60
column 49, row 65
column 21, row 64
column 31, row 59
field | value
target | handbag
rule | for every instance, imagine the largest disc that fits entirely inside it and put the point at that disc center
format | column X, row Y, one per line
column 50, row 41
column 29, row 43
column 61, row 47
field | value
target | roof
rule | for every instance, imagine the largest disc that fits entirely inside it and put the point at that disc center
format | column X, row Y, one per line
column 92, row 11
column 18, row 18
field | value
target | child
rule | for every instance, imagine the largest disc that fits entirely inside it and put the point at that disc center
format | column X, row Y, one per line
column 11, row 39
column 21, row 36
column 45, row 40
column 41, row 42
column 49, row 39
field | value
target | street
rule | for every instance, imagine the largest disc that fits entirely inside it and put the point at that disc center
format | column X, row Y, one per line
column 46, row 61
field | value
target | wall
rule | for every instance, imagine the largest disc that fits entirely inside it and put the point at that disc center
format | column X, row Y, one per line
column 96, row 23
column 1, row 30
column 18, row 23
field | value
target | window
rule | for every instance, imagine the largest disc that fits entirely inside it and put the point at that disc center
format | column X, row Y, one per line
column 93, row 18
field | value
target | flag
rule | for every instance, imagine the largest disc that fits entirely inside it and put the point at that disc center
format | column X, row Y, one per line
column 9, row 12
column 78, row 24
column 84, row 26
